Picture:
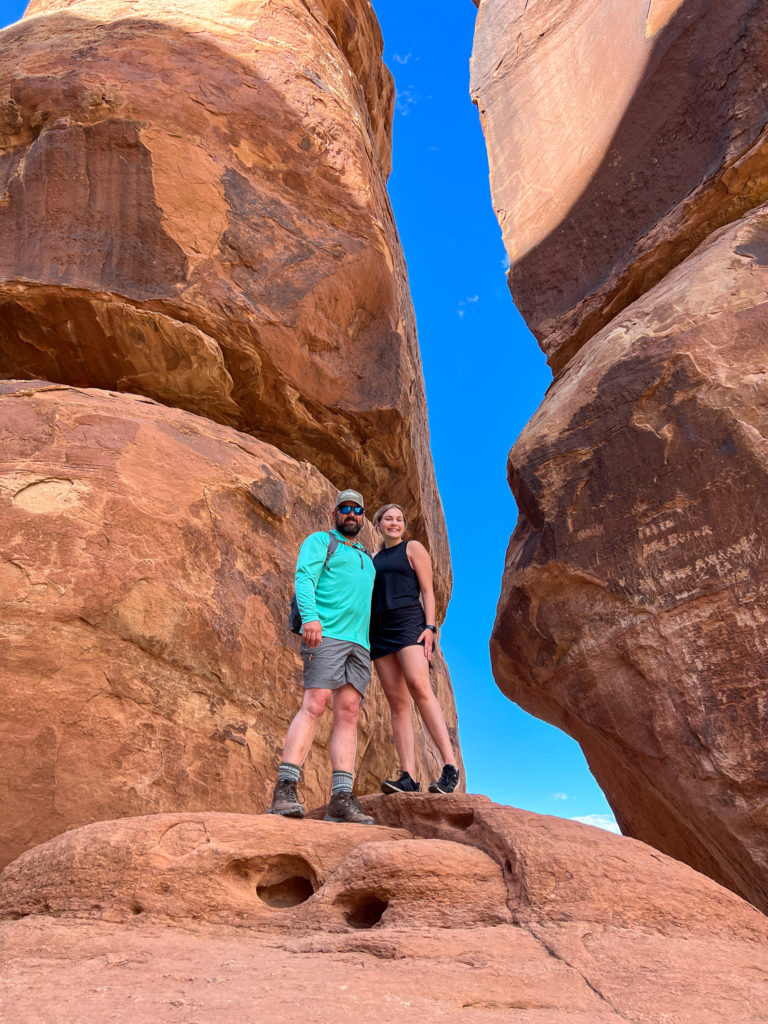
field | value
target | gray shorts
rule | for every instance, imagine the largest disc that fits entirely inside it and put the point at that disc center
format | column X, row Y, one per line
column 335, row 663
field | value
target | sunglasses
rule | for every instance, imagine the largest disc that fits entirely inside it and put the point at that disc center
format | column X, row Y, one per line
column 346, row 509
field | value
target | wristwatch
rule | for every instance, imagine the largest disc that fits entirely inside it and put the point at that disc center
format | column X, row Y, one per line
column 433, row 628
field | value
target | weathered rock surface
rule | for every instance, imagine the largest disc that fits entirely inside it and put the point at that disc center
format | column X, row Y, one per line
column 235, row 869
column 634, row 604
column 146, row 561
column 194, row 208
column 633, row 612
column 620, row 134
column 452, row 904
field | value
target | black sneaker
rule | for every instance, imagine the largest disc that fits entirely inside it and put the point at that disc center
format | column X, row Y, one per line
column 285, row 800
column 345, row 808
column 403, row 784
column 448, row 781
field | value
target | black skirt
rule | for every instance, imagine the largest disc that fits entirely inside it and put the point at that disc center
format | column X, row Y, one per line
column 395, row 629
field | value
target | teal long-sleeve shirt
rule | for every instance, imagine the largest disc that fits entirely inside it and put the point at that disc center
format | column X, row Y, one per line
column 339, row 595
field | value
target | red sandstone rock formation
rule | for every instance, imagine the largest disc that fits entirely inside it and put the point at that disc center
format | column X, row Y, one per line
column 145, row 562
column 620, row 135
column 633, row 614
column 194, row 208
column 452, row 904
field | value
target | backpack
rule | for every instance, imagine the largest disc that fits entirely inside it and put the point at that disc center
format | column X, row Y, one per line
column 294, row 615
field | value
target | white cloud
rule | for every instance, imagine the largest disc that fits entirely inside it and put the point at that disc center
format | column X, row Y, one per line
column 404, row 100
column 606, row 821
column 461, row 308
column 403, row 60
column 505, row 264
column 558, row 796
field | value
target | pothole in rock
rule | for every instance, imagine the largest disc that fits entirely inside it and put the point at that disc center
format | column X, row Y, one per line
column 280, row 882
column 460, row 820
column 363, row 909
column 290, row 892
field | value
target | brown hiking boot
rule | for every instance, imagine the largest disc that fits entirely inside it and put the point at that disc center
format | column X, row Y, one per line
column 344, row 807
column 285, row 800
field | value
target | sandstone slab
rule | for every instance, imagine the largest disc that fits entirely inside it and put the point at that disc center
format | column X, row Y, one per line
column 255, row 872
column 146, row 563
column 148, row 975
column 195, row 209
column 587, row 926
column 562, row 871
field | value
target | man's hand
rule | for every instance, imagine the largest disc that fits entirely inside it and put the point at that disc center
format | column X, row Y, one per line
column 312, row 633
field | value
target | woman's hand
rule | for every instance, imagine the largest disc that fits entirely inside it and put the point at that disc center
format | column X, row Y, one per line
column 421, row 564
column 428, row 639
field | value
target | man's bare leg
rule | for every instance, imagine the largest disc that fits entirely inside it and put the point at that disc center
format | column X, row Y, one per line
column 301, row 733
column 343, row 806
column 346, row 708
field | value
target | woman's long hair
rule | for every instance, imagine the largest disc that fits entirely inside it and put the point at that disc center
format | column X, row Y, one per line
column 379, row 514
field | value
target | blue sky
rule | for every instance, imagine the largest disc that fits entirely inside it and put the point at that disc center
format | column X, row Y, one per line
column 485, row 376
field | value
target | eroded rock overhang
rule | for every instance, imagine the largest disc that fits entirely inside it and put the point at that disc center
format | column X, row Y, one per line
column 627, row 150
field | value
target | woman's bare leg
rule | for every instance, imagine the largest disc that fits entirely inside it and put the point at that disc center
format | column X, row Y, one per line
column 395, row 690
column 415, row 668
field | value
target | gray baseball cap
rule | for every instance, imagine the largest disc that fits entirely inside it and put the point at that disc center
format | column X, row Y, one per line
column 349, row 498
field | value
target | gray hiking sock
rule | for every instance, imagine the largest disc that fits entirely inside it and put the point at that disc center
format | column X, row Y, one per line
column 288, row 772
column 341, row 783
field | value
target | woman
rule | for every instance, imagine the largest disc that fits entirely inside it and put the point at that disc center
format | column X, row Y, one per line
column 402, row 636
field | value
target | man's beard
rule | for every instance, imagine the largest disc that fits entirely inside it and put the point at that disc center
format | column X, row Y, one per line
column 349, row 527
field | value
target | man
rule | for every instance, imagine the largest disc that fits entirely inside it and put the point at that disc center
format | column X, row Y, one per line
column 334, row 599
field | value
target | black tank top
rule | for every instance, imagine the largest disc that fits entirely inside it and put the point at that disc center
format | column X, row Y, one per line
column 396, row 584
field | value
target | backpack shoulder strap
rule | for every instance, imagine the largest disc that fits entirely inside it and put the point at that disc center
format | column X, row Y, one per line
column 333, row 543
